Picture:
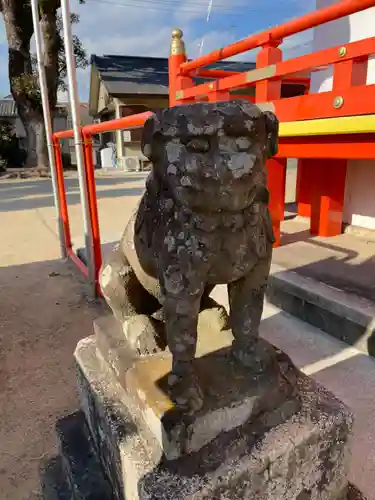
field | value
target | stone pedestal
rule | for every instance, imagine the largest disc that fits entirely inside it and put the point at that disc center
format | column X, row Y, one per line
column 255, row 438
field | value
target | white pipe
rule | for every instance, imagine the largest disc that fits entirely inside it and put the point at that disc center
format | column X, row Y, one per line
column 75, row 111
column 48, row 124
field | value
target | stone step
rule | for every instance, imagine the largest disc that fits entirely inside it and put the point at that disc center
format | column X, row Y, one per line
column 346, row 316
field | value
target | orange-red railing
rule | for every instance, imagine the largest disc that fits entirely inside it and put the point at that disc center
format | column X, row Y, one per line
column 275, row 35
column 350, row 96
column 350, row 72
column 128, row 122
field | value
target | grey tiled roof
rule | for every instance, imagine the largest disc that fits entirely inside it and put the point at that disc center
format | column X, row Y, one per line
column 144, row 75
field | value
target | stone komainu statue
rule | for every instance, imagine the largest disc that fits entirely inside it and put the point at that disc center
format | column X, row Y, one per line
column 203, row 220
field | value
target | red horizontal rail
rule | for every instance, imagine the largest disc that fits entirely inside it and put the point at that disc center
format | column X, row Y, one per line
column 214, row 74
column 64, row 134
column 348, row 147
column 354, row 50
column 132, row 121
column 357, row 100
column 278, row 33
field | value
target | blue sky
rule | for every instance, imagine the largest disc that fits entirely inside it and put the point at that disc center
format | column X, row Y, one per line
column 143, row 27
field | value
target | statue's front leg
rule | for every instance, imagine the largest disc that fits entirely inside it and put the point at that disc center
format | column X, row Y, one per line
column 246, row 297
column 182, row 290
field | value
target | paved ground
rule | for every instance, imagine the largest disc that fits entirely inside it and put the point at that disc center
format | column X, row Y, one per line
column 45, row 308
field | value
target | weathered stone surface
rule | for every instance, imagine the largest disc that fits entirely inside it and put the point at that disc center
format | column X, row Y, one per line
column 116, row 351
column 232, row 397
column 202, row 221
column 305, row 457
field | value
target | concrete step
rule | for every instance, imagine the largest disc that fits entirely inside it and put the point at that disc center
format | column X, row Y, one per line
column 346, row 316
column 345, row 371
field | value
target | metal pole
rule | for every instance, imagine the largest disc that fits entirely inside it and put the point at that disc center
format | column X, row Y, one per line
column 75, row 111
column 48, row 124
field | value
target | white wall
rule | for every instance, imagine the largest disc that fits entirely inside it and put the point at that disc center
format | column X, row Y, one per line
column 359, row 207
column 348, row 29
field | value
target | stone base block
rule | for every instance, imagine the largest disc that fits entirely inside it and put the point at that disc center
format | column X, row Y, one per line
column 303, row 458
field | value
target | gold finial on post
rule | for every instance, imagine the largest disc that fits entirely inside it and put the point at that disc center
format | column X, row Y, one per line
column 177, row 45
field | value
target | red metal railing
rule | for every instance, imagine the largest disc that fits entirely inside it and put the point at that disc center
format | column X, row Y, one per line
column 278, row 33
column 128, row 122
column 355, row 100
column 350, row 96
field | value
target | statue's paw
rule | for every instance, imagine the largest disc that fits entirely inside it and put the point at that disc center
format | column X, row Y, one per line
column 185, row 392
column 257, row 356
column 144, row 334
column 214, row 318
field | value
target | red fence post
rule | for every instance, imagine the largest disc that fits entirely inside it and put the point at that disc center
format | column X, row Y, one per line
column 215, row 96
column 327, row 203
column 177, row 82
column 304, row 186
column 266, row 91
column 62, row 194
column 93, row 205
column 321, row 183
column 276, row 171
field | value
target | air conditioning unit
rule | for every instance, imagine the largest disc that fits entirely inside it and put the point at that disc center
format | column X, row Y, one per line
column 130, row 164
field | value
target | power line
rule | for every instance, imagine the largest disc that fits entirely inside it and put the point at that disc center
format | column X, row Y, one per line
column 166, row 7
column 188, row 4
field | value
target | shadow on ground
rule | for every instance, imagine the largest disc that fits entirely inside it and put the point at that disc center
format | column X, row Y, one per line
column 45, row 309
column 30, row 195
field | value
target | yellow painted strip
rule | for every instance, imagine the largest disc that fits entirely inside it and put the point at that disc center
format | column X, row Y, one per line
column 255, row 75
column 330, row 126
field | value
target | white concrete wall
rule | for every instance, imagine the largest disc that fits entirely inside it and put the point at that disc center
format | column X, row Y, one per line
column 359, row 208
column 360, row 184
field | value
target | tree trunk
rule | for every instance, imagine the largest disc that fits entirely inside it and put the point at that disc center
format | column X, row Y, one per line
column 37, row 152
column 52, row 43
column 19, row 29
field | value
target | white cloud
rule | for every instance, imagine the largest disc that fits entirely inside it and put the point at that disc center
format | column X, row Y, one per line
column 108, row 28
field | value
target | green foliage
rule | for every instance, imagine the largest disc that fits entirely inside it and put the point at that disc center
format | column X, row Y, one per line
column 29, row 82
column 11, row 154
